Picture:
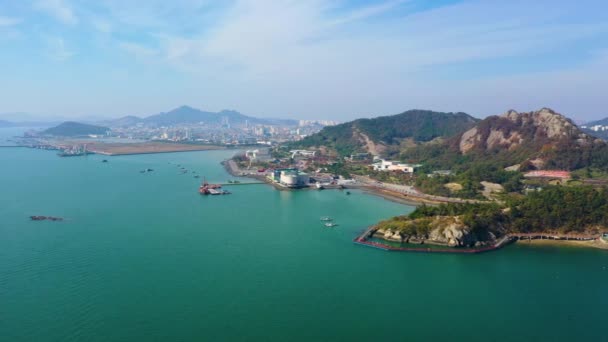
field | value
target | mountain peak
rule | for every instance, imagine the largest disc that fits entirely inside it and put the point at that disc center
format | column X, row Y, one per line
column 539, row 131
column 183, row 108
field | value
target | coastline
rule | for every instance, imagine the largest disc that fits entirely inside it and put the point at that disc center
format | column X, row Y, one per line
column 597, row 244
column 119, row 149
column 233, row 169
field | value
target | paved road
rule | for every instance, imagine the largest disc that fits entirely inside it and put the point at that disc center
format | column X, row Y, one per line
column 410, row 191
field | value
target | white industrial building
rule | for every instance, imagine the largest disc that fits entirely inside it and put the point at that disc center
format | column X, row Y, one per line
column 303, row 153
column 294, row 179
column 390, row 165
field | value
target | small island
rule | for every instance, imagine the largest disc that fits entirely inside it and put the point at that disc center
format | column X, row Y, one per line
column 75, row 129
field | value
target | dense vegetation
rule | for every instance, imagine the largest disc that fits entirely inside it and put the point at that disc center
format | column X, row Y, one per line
column 554, row 209
column 418, row 125
column 73, row 129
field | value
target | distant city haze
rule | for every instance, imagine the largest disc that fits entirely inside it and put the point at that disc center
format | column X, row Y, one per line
column 311, row 60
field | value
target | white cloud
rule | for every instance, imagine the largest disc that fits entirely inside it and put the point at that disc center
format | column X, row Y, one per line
column 59, row 9
column 138, row 50
column 101, row 25
column 336, row 58
column 8, row 22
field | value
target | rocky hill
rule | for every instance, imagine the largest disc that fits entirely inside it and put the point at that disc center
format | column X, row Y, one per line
column 387, row 135
column 75, row 129
column 539, row 139
column 513, row 130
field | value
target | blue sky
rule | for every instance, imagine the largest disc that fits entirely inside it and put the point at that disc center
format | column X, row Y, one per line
column 318, row 59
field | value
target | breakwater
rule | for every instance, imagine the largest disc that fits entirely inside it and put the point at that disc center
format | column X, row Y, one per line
column 364, row 240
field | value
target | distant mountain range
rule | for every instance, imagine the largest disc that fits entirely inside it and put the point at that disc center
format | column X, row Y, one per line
column 189, row 115
column 4, row 123
column 177, row 116
column 386, row 135
column 75, row 129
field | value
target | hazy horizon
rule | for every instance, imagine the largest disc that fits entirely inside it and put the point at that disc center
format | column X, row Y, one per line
column 328, row 60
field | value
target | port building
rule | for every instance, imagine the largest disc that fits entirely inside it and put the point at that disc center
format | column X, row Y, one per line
column 290, row 178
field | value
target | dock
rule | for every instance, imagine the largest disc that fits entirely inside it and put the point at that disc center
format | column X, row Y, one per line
column 247, row 183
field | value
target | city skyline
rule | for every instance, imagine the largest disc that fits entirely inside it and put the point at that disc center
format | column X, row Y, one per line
column 336, row 60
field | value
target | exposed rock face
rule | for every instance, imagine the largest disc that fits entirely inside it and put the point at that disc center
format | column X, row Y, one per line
column 443, row 230
column 452, row 232
column 512, row 129
column 375, row 149
column 469, row 139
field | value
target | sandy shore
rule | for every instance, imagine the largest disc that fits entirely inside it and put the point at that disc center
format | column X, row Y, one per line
column 572, row 243
column 115, row 149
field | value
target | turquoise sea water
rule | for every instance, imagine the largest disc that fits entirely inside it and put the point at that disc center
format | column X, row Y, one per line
column 144, row 257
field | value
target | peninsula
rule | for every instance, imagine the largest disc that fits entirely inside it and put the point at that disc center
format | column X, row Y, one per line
column 513, row 176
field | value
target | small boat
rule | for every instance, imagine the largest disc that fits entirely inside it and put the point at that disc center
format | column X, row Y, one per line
column 149, row 170
column 45, row 218
column 330, row 224
column 142, row 171
column 348, row 192
column 319, row 186
column 197, row 176
column 326, row 218
column 104, row 161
